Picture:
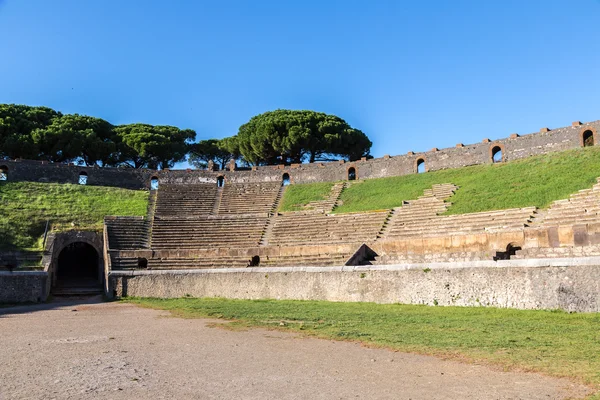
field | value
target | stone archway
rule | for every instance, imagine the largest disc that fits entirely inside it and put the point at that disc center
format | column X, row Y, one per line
column 78, row 261
column 77, row 264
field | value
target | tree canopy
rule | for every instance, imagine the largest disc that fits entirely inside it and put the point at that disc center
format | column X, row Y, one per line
column 143, row 145
column 210, row 150
column 40, row 133
column 274, row 137
column 296, row 136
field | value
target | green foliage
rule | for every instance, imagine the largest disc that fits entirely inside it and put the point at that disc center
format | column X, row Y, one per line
column 296, row 197
column 555, row 343
column 26, row 206
column 17, row 122
column 40, row 133
column 210, row 150
column 535, row 181
column 71, row 137
column 293, row 136
column 148, row 146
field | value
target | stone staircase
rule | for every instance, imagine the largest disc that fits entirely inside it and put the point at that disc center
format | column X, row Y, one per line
column 23, row 260
column 331, row 202
column 268, row 231
column 440, row 191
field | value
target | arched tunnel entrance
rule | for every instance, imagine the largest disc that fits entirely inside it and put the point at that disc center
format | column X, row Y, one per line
column 78, row 270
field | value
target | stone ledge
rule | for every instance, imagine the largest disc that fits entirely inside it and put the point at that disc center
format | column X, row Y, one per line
column 527, row 263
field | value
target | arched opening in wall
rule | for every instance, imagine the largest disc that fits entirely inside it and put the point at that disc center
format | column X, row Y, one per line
column 497, row 156
column 220, row 181
column 420, row 166
column 285, row 179
column 154, row 183
column 351, row 174
column 511, row 250
column 254, row 261
column 3, row 173
column 83, row 178
column 142, row 263
column 588, row 138
column 78, row 267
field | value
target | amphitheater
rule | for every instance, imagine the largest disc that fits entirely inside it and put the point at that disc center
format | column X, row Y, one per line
column 220, row 233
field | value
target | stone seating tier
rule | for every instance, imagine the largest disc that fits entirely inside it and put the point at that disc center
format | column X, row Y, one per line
column 248, row 198
column 189, row 199
column 462, row 223
column 127, row 232
column 124, row 263
column 242, row 231
column 303, row 228
column 580, row 207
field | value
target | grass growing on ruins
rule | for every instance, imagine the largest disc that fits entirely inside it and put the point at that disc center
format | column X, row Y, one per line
column 552, row 342
column 296, row 196
column 26, row 206
column 535, row 181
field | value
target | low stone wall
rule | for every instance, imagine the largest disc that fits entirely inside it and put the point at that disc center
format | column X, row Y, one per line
column 23, row 287
column 566, row 284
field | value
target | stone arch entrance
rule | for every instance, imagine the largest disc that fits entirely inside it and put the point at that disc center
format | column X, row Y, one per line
column 588, row 138
column 77, row 266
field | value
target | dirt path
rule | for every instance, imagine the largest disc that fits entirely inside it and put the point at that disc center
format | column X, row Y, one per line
column 119, row 351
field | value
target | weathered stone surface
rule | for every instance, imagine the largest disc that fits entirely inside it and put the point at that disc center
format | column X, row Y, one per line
column 512, row 284
column 513, row 148
column 23, row 286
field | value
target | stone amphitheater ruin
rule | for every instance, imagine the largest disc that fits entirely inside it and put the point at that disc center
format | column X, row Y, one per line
column 218, row 233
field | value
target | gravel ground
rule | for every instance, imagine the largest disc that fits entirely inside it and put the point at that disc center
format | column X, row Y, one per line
column 77, row 350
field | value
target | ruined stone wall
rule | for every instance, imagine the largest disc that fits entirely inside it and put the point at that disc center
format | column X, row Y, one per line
column 513, row 148
column 23, row 287
column 39, row 171
column 570, row 285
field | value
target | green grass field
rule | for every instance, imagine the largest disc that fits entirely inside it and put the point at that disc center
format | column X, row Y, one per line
column 26, row 206
column 296, row 196
column 555, row 343
column 535, row 181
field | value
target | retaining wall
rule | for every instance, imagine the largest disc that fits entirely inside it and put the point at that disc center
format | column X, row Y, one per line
column 566, row 284
column 23, row 286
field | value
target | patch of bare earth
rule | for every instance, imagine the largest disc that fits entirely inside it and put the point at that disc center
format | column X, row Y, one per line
column 120, row 351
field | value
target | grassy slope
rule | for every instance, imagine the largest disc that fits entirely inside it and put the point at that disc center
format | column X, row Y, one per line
column 535, row 181
column 296, row 196
column 25, row 207
column 555, row 343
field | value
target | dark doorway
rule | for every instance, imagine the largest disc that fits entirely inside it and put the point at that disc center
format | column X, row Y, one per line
column 351, row 174
column 588, row 139
column 77, row 267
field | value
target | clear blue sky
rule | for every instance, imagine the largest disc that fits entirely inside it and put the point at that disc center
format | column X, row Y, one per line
column 411, row 74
